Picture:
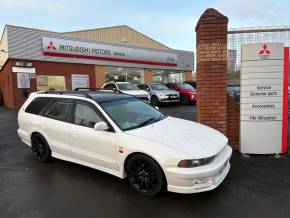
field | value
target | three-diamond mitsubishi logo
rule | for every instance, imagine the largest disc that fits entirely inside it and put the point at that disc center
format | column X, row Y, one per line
column 50, row 45
column 264, row 53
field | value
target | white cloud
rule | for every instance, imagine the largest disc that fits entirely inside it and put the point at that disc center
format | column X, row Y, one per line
column 255, row 12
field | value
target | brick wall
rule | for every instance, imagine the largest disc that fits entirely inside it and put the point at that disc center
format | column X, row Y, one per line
column 211, row 36
column 187, row 75
column 100, row 76
column 233, row 122
column 6, row 85
column 13, row 96
column 148, row 76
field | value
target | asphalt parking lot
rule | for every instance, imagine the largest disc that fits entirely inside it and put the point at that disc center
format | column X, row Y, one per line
column 255, row 187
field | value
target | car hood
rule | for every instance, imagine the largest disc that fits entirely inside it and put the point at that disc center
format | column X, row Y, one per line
column 166, row 92
column 135, row 92
column 194, row 139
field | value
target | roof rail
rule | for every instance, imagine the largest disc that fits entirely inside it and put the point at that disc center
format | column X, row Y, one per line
column 76, row 93
column 87, row 89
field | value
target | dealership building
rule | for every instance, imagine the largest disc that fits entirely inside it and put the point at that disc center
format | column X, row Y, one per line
column 33, row 59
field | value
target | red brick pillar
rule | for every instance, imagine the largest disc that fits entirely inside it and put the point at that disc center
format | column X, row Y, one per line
column 211, row 47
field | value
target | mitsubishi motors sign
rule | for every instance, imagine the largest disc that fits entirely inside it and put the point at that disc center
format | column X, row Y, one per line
column 264, row 98
column 96, row 51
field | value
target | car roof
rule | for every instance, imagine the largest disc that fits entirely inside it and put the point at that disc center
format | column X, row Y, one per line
column 101, row 97
column 97, row 96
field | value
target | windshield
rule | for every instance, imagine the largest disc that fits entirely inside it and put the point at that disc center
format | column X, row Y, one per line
column 185, row 86
column 158, row 87
column 127, row 86
column 131, row 113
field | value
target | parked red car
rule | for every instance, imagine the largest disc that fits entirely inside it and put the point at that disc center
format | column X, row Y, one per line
column 187, row 93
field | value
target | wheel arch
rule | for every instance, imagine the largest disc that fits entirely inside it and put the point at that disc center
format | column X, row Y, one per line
column 135, row 153
column 36, row 131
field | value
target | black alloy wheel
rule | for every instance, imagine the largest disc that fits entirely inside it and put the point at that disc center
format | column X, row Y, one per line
column 154, row 101
column 184, row 99
column 145, row 175
column 40, row 148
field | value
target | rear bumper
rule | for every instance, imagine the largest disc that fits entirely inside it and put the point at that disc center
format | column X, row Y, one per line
column 24, row 137
column 200, row 179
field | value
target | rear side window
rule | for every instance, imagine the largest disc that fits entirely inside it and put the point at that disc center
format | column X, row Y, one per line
column 37, row 105
column 60, row 110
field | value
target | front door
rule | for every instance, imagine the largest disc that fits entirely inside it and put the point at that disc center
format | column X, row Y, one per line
column 87, row 144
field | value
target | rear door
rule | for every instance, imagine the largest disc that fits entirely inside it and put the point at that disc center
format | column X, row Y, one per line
column 55, row 123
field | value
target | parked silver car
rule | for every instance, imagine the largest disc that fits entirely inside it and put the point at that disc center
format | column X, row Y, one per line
column 160, row 93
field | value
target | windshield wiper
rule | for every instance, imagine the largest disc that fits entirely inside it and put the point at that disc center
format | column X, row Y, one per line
column 146, row 122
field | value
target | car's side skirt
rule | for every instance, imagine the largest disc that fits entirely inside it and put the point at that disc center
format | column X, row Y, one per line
column 103, row 169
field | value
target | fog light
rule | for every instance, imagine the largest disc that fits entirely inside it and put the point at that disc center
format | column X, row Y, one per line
column 203, row 181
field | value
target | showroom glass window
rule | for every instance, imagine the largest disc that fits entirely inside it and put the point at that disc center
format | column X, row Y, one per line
column 117, row 74
column 168, row 76
column 135, row 75
column 121, row 74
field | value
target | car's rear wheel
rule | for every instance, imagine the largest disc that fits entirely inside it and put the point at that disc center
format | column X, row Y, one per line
column 184, row 99
column 40, row 148
column 154, row 101
column 145, row 175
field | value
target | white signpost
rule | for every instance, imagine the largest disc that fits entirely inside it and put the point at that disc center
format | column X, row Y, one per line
column 264, row 98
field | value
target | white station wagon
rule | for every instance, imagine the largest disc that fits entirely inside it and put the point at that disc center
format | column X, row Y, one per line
column 122, row 135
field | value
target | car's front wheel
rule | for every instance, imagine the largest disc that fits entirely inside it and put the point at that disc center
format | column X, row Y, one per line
column 145, row 175
column 40, row 148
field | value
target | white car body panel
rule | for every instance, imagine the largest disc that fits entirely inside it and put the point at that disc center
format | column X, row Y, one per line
column 168, row 142
column 194, row 139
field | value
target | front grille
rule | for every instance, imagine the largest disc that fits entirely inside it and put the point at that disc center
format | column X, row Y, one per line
column 172, row 96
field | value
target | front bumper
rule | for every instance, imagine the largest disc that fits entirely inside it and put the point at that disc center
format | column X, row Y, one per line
column 168, row 99
column 200, row 179
column 193, row 98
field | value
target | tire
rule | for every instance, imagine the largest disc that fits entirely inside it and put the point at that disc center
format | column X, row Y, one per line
column 145, row 175
column 184, row 99
column 40, row 148
column 154, row 101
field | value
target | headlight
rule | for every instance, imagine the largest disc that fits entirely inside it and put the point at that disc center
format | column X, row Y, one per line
column 161, row 94
column 195, row 162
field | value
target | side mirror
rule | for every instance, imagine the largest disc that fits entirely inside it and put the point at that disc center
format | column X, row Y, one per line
column 101, row 126
column 114, row 89
column 147, row 89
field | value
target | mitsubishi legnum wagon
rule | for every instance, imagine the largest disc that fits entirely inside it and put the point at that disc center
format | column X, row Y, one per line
column 126, row 137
